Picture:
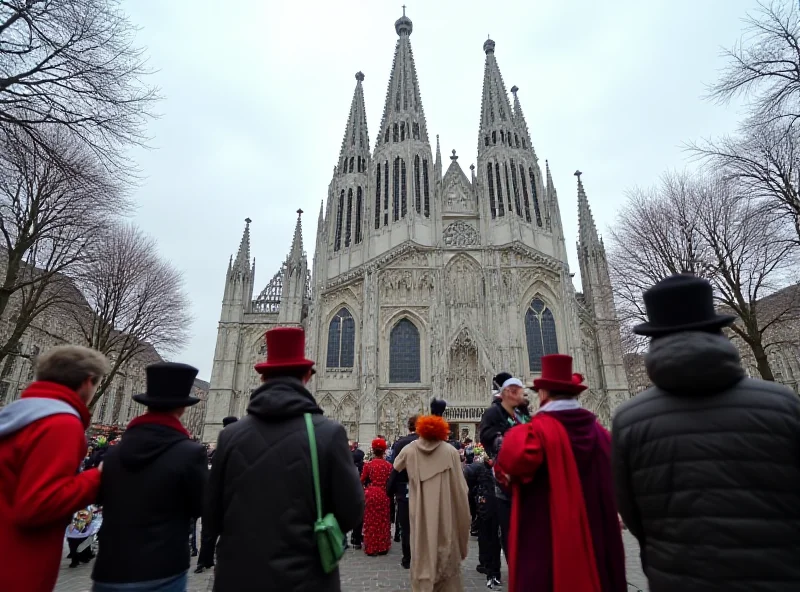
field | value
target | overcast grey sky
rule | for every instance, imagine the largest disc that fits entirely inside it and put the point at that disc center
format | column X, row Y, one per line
column 257, row 94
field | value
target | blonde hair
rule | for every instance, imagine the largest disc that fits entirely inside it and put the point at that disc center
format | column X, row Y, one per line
column 71, row 365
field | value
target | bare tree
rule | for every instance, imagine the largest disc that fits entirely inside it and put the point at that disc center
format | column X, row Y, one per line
column 73, row 63
column 49, row 215
column 765, row 161
column 711, row 227
column 764, row 66
column 136, row 299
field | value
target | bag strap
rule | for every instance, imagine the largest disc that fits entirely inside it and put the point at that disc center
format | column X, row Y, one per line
column 312, row 443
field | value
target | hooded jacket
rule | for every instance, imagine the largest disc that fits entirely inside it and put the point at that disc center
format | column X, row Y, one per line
column 153, row 485
column 707, row 471
column 261, row 498
column 42, row 445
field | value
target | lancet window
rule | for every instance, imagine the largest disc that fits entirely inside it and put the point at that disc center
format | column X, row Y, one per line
column 337, row 242
column 404, row 353
column 385, row 193
column 359, row 212
column 377, row 197
column 516, row 188
column 535, row 198
column 525, row 193
column 341, row 341
column 417, row 192
column 396, row 190
column 540, row 332
column 348, row 218
column 403, row 192
column 490, row 185
column 501, row 206
column 427, row 202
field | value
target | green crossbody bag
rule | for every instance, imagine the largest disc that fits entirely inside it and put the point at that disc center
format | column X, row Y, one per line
column 330, row 540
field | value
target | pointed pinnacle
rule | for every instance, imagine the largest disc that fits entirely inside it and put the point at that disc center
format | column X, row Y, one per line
column 587, row 230
column 297, row 240
column 243, row 255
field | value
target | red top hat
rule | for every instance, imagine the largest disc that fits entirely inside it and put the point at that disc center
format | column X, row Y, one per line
column 286, row 348
column 557, row 375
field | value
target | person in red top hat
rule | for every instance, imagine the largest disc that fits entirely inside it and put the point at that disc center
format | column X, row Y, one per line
column 565, row 533
column 260, row 500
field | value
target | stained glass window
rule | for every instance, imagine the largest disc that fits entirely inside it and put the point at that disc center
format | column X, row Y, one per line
column 535, row 198
column 404, row 359
column 359, row 208
column 540, row 332
column 341, row 340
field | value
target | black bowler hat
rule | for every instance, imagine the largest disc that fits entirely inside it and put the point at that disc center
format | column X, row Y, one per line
column 169, row 386
column 226, row 421
column 681, row 303
column 438, row 406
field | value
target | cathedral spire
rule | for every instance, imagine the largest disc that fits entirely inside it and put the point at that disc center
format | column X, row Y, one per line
column 403, row 107
column 587, row 230
column 496, row 113
column 242, row 261
column 356, row 137
column 296, row 254
column 519, row 118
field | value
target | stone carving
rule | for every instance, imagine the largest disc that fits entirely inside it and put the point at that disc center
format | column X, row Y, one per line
column 347, row 413
column 351, row 293
column 328, row 405
column 406, row 286
column 463, row 285
column 465, row 381
column 394, row 411
column 460, row 234
column 412, row 259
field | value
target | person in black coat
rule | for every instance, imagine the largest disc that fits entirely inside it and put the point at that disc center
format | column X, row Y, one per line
column 398, row 487
column 152, row 486
column 260, row 500
column 707, row 461
column 357, row 536
column 482, row 485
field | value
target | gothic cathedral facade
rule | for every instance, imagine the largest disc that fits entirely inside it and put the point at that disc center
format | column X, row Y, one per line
column 427, row 281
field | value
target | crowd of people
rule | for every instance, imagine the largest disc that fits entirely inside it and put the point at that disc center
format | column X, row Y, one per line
column 703, row 468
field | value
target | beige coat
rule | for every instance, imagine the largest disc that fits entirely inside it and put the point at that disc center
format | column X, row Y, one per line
column 439, row 514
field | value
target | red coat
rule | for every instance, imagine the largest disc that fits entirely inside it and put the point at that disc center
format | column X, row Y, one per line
column 41, row 487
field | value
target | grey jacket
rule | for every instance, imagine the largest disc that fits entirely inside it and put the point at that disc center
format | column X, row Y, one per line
column 707, row 471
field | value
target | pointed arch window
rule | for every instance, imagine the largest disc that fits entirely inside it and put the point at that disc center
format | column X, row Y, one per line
column 516, row 188
column 417, row 192
column 502, row 137
column 385, row 193
column 348, row 218
column 352, row 162
column 403, row 192
column 524, row 144
column 427, row 202
column 500, row 205
column 404, row 353
column 359, row 208
column 395, row 133
column 485, row 140
column 402, row 131
column 535, row 198
column 490, row 184
column 508, row 190
column 341, row 341
column 525, row 193
column 386, row 137
column 415, row 131
column 337, row 243
column 540, row 333
column 516, row 140
column 494, row 137
column 377, row 197
column 396, row 190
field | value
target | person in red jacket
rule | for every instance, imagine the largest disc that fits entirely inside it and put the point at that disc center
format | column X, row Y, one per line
column 42, row 445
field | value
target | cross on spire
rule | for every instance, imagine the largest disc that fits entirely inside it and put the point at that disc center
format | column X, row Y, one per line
column 578, row 174
column 404, row 9
column 299, row 212
column 247, row 220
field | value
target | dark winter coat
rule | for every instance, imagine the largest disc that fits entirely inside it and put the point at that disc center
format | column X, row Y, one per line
column 152, row 486
column 481, row 486
column 494, row 423
column 261, row 498
column 707, row 471
column 358, row 460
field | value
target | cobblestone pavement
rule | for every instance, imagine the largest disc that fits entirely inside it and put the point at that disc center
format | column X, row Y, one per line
column 359, row 573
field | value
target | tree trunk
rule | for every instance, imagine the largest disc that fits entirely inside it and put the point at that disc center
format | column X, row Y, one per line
column 762, row 362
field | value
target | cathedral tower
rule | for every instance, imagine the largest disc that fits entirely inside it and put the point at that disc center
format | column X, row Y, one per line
column 599, row 299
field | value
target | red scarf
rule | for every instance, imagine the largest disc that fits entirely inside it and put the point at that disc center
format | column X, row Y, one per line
column 526, row 447
column 159, row 418
column 42, row 389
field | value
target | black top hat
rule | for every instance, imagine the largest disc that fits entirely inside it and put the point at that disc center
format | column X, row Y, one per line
column 681, row 303
column 226, row 421
column 169, row 386
column 499, row 379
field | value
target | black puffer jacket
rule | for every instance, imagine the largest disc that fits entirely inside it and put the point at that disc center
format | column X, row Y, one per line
column 707, row 471
column 261, row 497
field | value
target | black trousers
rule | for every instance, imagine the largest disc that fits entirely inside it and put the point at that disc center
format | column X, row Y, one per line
column 357, row 536
column 405, row 524
column 504, row 519
column 489, row 543
column 193, row 534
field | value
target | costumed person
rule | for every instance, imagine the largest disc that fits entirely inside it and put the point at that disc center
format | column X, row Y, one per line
column 398, row 487
column 80, row 536
column 480, row 480
column 439, row 509
column 377, row 526
column 153, row 485
column 565, row 534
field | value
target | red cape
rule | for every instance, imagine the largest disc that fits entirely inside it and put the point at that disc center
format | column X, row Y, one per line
column 524, row 450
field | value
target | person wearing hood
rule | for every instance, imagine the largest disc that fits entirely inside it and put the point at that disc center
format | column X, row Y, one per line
column 42, row 446
column 260, row 499
column 438, row 504
column 707, row 461
column 153, row 485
